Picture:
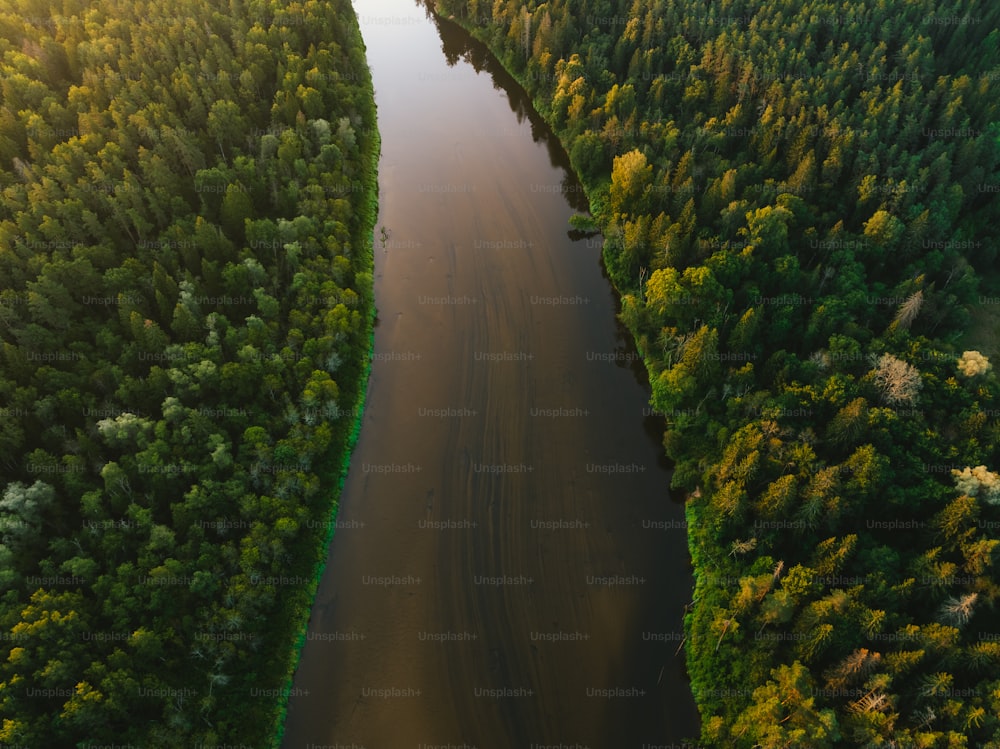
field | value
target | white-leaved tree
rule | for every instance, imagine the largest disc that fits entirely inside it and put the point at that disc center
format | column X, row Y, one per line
column 21, row 511
column 908, row 311
column 899, row 382
column 978, row 482
column 955, row 612
column 973, row 363
column 125, row 429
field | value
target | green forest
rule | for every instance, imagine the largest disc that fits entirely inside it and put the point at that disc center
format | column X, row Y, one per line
column 799, row 205
column 799, row 200
column 186, row 320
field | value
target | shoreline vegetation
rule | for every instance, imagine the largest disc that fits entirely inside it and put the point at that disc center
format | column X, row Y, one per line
column 368, row 208
column 186, row 327
column 799, row 209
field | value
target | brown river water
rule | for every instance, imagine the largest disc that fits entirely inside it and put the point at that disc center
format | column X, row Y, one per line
column 509, row 569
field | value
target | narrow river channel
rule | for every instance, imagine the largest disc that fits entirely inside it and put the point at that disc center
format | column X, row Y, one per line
column 509, row 569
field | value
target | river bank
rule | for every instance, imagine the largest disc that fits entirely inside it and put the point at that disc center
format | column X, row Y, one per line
column 364, row 242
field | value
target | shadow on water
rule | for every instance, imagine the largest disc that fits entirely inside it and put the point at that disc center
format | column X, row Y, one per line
column 458, row 45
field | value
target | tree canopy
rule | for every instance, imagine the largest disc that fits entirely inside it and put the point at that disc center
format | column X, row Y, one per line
column 185, row 323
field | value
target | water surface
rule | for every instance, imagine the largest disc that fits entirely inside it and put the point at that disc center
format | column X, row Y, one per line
column 509, row 569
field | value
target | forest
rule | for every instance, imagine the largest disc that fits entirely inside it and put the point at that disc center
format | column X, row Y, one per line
column 186, row 320
column 799, row 204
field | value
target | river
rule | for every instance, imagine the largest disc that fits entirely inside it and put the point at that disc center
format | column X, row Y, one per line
column 508, row 569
